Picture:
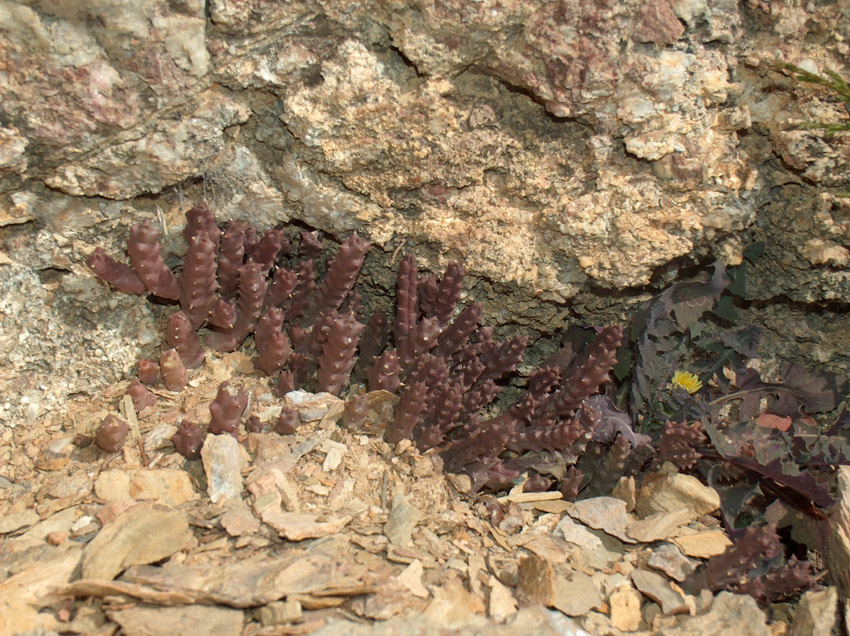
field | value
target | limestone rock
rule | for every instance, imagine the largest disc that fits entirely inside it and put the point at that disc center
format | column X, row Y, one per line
column 192, row 620
column 144, row 533
column 168, row 486
column 669, row 491
column 817, row 613
column 222, row 461
column 401, row 522
column 728, row 615
column 625, row 608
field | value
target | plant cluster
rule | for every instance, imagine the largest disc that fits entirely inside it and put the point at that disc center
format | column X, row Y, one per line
column 686, row 393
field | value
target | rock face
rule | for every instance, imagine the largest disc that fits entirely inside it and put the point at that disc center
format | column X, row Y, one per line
column 559, row 149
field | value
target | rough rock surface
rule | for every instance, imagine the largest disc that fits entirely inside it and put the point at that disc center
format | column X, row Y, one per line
column 560, row 149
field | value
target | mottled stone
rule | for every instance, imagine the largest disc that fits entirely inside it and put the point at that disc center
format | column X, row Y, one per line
column 402, row 520
column 659, row 590
column 703, row 544
column 191, row 620
column 604, row 513
column 18, row 521
column 536, row 582
column 625, row 608
column 145, row 533
column 670, row 560
column 169, row 486
column 280, row 612
column 817, row 613
column 577, row 595
column 239, row 520
column 669, row 491
column 222, row 461
column 729, row 615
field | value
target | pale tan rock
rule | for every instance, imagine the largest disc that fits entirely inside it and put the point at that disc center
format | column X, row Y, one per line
column 145, row 533
column 239, row 520
column 817, row 613
column 391, row 598
column 192, row 620
column 837, row 545
column 296, row 526
column 55, row 454
column 578, row 534
column 56, row 537
column 401, row 521
column 335, row 452
column 670, row 560
column 62, row 521
column 222, row 459
column 273, row 480
column 22, row 595
column 625, row 609
column 625, row 490
column 604, row 513
column 550, row 547
column 658, row 589
column 477, row 566
column 244, row 583
column 280, row 613
column 454, row 606
column 729, row 615
column 267, row 446
column 14, row 522
column 312, row 407
column 502, row 603
column 535, row 582
column 168, row 486
column 101, row 588
column 703, row 544
column 658, row 526
column 577, row 595
column 411, row 578
column 668, row 491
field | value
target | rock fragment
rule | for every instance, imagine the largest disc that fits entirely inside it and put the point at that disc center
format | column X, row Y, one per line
column 168, row 486
column 668, row 491
column 729, row 615
column 144, row 533
column 401, row 522
column 222, row 460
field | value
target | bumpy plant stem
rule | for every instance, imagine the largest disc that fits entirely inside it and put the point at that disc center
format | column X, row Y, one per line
column 146, row 256
column 337, row 357
column 226, row 410
column 198, row 282
column 180, row 335
column 120, row 276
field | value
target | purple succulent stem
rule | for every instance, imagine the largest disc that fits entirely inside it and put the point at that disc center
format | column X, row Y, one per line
column 146, row 256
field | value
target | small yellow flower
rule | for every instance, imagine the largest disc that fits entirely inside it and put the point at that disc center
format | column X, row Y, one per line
column 687, row 380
